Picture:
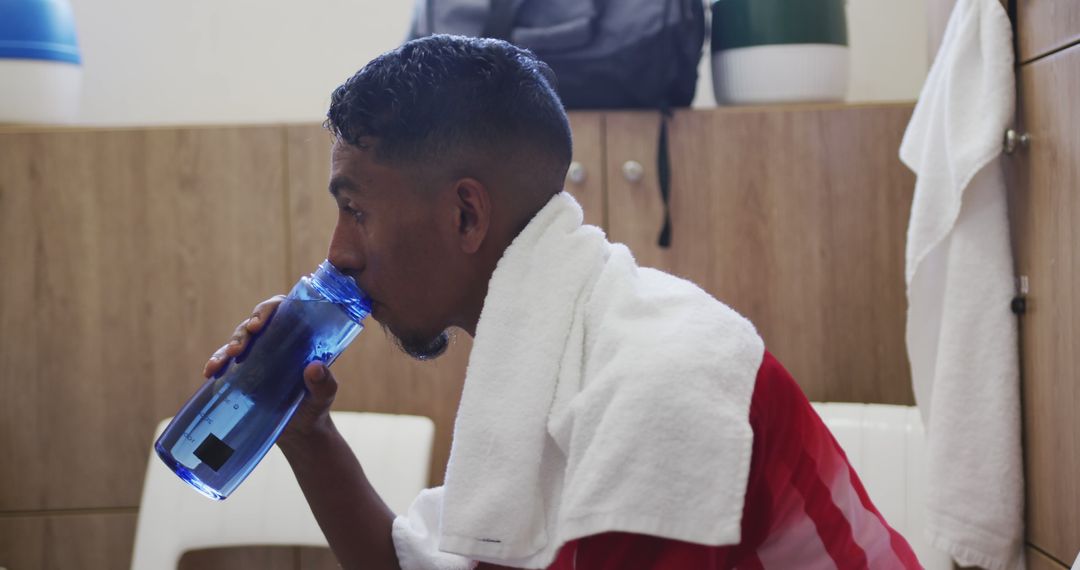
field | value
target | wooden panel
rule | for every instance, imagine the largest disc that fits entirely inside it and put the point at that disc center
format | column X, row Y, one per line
column 62, row 542
column 1043, row 26
column 1045, row 213
column 794, row 216
column 635, row 214
column 261, row 557
column 1037, row 560
column 374, row 376
column 128, row 257
column 317, row 559
column 588, row 129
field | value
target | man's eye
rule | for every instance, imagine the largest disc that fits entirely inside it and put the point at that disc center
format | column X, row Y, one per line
column 356, row 214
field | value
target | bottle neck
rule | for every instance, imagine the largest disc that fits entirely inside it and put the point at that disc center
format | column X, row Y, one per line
column 341, row 290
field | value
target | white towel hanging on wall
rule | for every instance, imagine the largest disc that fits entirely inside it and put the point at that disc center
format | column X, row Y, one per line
column 961, row 334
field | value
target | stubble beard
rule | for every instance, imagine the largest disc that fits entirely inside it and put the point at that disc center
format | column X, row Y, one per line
column 418, row 347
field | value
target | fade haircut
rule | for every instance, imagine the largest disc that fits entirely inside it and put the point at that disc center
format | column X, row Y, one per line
column 439, row 101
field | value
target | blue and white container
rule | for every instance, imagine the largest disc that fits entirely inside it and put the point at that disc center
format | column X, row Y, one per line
column 40, row 64
column 226, row 428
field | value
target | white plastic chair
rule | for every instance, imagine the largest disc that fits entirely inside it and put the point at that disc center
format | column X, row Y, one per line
column 268, row 508
column 885, row 444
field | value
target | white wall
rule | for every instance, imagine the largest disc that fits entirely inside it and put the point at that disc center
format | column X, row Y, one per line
column 235, row 61
column 248, row 61
column 888, row 49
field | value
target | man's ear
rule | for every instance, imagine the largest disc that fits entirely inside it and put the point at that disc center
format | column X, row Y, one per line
column 473, row 211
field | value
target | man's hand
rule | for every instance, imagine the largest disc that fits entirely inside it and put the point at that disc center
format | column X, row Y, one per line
column 243, row 335
column 356, row 521
column 313, row 415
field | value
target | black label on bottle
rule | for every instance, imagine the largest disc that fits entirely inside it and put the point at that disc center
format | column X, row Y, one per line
column 214, row 452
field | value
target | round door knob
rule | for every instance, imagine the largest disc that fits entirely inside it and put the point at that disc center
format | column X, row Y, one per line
column 1015, row 140
column 633, row 171
column 576, row 174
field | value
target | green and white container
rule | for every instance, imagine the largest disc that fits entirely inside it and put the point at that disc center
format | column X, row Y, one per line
column 778, row 51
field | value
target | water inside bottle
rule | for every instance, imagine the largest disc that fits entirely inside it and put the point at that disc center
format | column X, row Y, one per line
column 253, row 395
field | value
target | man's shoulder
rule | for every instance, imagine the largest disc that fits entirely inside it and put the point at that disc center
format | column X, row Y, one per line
column 646, row 324
column 643, row 304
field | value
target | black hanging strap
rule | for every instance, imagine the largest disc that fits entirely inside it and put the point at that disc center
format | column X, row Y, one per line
column 663, row 170
column 429, row 17
column 500, row 20
column 663, row 159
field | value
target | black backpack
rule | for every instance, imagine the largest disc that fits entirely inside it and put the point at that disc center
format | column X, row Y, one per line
column 606, row 54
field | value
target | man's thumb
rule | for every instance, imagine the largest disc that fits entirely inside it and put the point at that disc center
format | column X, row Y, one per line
column 320, row 382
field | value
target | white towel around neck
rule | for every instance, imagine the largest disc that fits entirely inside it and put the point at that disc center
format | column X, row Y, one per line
column 961, row 335
column 599, row 397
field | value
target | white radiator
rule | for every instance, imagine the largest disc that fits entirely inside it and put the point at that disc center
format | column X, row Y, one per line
column 885, row 445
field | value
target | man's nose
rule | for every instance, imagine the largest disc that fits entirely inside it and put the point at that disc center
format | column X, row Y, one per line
column 345, row 251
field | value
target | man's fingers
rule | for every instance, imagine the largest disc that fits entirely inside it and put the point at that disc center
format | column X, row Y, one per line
column 252, row 325
column 238, row 340
column 242, row 334
column 216, row 361
column 261, row 313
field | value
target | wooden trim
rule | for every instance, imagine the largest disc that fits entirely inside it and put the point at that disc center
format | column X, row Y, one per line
column 1044, row 27
column 1037, row 559
column 49, row 542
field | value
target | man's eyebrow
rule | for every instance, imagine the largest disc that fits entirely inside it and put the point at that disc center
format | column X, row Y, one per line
column 341, row 183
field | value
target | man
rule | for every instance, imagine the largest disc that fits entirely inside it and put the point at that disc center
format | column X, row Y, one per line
column 612, row 416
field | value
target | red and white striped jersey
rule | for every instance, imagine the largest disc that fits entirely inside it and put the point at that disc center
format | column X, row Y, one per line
column 805, row 507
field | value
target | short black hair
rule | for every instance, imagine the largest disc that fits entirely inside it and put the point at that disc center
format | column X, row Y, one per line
column 436, row 97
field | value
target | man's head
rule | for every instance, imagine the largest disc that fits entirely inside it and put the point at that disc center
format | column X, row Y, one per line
column 445, row 148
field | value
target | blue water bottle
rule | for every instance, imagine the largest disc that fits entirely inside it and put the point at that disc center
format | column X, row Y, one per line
column 227, row 427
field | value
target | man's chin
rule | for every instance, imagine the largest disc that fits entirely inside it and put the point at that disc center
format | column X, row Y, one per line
column 420, row 347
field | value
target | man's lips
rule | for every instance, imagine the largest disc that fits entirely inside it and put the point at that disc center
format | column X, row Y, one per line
column 376, row 309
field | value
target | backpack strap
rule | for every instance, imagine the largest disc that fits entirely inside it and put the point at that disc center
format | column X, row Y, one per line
column 663, row 171
column 663, row 156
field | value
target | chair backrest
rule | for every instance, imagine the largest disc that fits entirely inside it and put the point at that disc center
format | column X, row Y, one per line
column 885, row 445
column 269, row 508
